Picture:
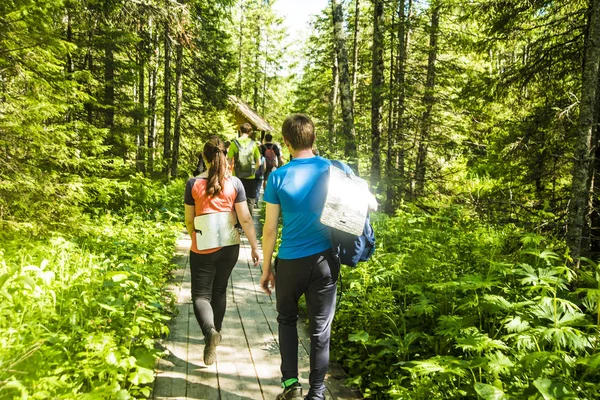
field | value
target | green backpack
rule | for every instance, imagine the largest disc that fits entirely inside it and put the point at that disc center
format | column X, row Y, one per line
column 244, row 160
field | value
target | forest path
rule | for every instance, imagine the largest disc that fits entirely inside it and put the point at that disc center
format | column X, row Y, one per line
column 248, row 360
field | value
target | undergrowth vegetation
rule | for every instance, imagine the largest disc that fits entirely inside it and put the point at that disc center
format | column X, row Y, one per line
column 83, row 301
column 450, row 307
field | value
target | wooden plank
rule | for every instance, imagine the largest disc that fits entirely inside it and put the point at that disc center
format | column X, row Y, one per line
column 262, row 339
column 263, row 347
column 236, row 371
column 171, row 369
column 243, row 288
column 251, row 274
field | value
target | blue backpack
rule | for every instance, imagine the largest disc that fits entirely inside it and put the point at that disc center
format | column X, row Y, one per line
column 348, row 248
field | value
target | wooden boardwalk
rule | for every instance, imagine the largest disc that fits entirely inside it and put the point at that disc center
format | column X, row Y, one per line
column 248, row 361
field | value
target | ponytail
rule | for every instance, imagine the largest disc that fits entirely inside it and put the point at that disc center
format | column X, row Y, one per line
column 214, row 152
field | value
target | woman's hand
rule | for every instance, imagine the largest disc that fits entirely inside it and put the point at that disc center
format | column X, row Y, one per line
column 255, row 256
column 267, row 281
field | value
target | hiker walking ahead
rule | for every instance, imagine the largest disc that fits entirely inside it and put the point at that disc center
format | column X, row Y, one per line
column 245, row 156
column 305, row 264
column 272, row 155
column 213, row 200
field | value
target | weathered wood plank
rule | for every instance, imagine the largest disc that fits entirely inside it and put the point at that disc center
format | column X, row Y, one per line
column 171, row 369
column 263, row 348
column 243, row 288
column 250, row 273
column 237, row 373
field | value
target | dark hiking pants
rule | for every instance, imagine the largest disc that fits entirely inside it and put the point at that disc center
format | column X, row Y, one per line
column 210, row 276
column 315, row 277
column 250, row 189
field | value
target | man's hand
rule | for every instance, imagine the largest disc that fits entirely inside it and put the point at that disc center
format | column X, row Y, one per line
column 267, row 282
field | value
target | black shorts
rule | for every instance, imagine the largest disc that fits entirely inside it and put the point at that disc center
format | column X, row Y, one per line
column 250, row 187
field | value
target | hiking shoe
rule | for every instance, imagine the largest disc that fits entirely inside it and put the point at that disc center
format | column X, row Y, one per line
column 294, row 391
column 210, row 347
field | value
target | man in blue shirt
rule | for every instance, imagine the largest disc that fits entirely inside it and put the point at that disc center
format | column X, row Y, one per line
column 305, row 264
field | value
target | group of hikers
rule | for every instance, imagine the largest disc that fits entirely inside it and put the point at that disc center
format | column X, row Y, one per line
column 262, row 159
column 225, row 193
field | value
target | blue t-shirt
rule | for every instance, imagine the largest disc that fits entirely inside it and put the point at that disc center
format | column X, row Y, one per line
column 300, row 188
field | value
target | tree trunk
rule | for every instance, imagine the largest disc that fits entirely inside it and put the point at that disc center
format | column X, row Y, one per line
column 376, row 92
column 594, row 209
column 152, row 94
column 256, row 83
column 109, row 97
column 141, row 112
column 89, row 108
column 428, row 100
column 594, row 218
column 583, row 145
column 355, row 54
column 264, row 88
column 238, row 90
column 347, row 115
column 109, row 87
column 178, row 105
column 399, row 187
column 167, row 105
column 70, row 66
column 391, row 125
column 333, row 99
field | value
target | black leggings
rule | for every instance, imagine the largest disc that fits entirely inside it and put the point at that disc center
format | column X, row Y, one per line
column 210, row 277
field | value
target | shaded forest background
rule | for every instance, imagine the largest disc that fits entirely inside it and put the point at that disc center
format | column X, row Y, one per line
column 452, row 102
column 466, row 117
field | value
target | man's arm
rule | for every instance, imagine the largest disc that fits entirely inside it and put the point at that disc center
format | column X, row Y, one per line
column 267, row 280
column 279, row 157
column 256, row 158
column 231, row 153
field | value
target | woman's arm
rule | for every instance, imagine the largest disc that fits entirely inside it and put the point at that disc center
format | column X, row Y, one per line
column 245, row 219
column 190, row 214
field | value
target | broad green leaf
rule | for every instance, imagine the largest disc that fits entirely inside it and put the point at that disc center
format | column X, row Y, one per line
column 488, row 392
column 552, row 390
column 135, row 331
column 117, row 276
column 141, row 375
column 516, row 324
column 26, row 280
column 107, row 307
column 361, row 336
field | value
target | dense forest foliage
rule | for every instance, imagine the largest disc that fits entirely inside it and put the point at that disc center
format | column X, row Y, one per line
column 476, row 124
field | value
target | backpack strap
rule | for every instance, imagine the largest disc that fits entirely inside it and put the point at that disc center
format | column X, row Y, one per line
column 239, row 146
column 237, row 143
column 343, row 166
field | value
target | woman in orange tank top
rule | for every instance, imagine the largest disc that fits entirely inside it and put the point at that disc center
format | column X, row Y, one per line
column 215, row 192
